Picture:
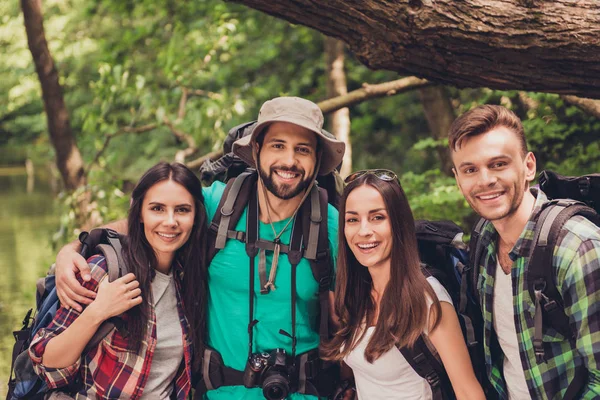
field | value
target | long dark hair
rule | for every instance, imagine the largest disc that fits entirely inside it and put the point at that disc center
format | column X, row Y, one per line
column 141, row 259
column 403, row 310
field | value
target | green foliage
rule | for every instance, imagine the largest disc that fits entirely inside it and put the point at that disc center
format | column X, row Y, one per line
column 435, row 196
column 126, row 65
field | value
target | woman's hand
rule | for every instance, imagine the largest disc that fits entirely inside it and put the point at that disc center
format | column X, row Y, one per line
column 114, row 298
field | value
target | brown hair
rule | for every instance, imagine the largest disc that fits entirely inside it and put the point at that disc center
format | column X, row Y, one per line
column 141, row 258
column 403, row 313
column 483, row 119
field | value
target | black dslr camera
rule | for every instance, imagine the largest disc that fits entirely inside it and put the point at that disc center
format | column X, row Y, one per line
column 272, row 371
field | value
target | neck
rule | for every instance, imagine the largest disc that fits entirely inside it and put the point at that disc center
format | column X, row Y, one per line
column 509, row 229
column 380, row 276
column 279, row 209
column 164, row 262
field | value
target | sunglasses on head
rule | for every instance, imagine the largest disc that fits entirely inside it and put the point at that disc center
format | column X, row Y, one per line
column 383, row 174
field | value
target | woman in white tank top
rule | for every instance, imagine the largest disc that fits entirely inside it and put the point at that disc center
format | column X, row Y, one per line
column 383, row 300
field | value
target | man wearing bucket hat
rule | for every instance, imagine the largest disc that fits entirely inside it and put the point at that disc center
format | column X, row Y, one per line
column 248, row 336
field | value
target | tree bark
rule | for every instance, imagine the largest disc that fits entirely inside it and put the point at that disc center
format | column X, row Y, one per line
column 440, row 115
column 68, row 157
column 501, row 44
column 591, row 107
column 339, row 120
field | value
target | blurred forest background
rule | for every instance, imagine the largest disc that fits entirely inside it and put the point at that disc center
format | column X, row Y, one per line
column 164, row 80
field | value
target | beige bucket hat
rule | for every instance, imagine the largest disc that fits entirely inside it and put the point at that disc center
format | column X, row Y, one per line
column 297, row 111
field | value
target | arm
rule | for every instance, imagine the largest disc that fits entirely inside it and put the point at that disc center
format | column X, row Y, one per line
column 55, row 351
column 581, row 294
column 68, row 262
column 113, row 299
column 450, row 344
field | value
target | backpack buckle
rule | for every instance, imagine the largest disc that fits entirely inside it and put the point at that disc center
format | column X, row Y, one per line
column 433, row 379
column 584, row 186
column 325, row 282
column 111, row 233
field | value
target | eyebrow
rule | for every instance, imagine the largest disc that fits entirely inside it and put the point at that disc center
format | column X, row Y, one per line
column 370, row 211
column 307, row 144
column 491, row 160
column 156, row 203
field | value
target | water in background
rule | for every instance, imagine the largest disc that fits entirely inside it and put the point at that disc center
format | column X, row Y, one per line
column 27, row 222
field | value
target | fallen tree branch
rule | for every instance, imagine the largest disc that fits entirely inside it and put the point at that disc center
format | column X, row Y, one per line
column 589, row 106
column 192, row 149
column 369, row 91
column 213, row 155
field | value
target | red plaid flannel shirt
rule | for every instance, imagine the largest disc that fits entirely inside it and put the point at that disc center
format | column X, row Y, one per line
column 109, row 370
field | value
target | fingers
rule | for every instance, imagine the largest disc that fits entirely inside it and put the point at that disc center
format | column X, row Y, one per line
column 130, row 277
column 83, row 267
column 71, row 299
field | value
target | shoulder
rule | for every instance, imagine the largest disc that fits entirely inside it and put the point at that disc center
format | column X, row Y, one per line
column 578, row 235
column 212, row 197
column 439, row 290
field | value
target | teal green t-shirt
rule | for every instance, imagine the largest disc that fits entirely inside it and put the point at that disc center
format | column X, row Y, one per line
column 228, row 302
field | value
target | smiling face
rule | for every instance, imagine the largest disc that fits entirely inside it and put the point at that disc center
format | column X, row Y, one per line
column 168, row 213
column 287, row 159
column 493, row 174
column 367, row 227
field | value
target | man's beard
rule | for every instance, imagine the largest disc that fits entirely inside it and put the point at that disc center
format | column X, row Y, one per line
column 283, row 191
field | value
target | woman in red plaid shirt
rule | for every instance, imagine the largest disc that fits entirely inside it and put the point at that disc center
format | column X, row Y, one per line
column 163, row 311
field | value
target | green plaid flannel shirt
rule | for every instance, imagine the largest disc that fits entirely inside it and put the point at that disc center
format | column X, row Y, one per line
column 576, row 262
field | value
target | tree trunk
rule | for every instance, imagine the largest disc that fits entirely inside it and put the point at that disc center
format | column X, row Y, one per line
column 336, row 86
column 440, row 115
column 68, row 158
column 501, row 44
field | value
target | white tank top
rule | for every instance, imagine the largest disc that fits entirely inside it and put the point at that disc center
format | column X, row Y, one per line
column 390, row 376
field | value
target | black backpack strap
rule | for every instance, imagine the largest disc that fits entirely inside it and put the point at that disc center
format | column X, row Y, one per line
column 475, row 251
column 231, row 206
column 540, row 271
column 549, row 307
column 430, row 368
column 315, row 228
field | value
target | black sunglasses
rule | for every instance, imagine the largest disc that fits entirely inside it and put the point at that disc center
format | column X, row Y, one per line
column 383, row 174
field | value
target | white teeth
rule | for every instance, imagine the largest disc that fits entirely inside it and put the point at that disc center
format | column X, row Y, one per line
column 166, row 235
column 367, row 245
column 492, row 196
column 286, row 175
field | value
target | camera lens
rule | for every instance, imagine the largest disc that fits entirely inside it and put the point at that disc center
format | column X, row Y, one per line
column 276, row 387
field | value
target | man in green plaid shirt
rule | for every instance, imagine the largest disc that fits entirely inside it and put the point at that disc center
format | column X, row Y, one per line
column 493, row 170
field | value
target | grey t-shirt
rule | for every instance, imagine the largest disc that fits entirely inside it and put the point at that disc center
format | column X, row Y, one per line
column 168, row 354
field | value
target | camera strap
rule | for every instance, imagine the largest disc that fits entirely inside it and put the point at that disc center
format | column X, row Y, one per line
column 252, row 251
column 294, row 254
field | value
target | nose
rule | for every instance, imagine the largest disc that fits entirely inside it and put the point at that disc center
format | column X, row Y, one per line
column 365, row 229
column 487, row 178
column 289, row 158
column 170, row 219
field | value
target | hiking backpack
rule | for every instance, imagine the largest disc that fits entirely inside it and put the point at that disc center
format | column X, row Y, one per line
column 568, row 197
column 25, row 384
column 444, row 256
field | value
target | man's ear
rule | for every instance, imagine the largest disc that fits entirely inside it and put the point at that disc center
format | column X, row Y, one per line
column 530, row 167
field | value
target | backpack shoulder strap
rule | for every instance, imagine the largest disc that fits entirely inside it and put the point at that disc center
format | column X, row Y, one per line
column 230, row 208
column 116, row 268
column 549, row 306
column 540, row 272
column 429, row 367
column 317, row 252
column 475, row 251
